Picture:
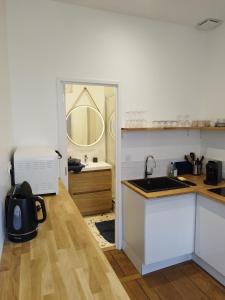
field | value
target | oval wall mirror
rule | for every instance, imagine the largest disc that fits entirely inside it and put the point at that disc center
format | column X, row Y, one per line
column 85, row 126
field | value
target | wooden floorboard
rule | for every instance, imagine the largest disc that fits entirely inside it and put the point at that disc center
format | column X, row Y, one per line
column 162, row 286
column 204, row 281
column 121, row 264
column 186, row 281
column 183, row 284
column 134, row 290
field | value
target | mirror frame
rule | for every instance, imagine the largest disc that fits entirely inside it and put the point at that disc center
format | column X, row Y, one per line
column 101, row 118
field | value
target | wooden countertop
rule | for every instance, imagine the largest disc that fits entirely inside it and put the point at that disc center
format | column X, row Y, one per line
column 62, row 262
column 200, row 188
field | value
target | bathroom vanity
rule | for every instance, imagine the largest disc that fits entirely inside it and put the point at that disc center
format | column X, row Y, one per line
column 91, row 189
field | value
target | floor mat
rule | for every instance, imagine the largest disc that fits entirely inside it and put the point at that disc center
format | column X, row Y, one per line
column 107, row 230
column 91, row 220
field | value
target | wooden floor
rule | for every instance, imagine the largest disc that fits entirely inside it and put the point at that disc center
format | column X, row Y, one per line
column 184, row 281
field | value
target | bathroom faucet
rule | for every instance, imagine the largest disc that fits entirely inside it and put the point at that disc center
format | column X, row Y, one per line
column 147, row 173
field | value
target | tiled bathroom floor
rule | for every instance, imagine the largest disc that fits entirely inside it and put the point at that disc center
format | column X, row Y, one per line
column 90, row 220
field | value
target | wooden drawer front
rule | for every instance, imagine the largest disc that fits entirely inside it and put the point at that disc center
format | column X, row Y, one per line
column 91, row 203
column 85, row 182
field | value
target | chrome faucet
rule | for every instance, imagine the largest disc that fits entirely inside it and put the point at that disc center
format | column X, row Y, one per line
column 147, row 173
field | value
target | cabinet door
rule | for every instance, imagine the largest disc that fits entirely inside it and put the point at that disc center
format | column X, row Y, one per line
column 93, row 203
column 169, row 228
column 85, row 182
column 210, row 232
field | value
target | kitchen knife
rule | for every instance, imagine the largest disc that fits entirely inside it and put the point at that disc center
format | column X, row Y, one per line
column 192, row 155
column 201, row 160
column 188, row 159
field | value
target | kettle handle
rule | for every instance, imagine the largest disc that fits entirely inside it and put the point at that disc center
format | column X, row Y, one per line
column 42, row 203
column 59, row 154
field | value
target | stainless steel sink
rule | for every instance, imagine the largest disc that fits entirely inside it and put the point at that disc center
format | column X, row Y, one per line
column 157, row 184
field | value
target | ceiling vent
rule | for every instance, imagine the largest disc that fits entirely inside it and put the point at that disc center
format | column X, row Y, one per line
column 209, row 24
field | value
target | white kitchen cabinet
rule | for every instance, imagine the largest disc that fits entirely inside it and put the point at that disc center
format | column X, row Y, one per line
column 158, row 232
column 169, row 227
column 134, row 226
column 210, row 233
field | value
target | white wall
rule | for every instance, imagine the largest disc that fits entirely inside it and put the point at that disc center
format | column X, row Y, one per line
column 213, row 105
column 160, row 66
column 5, row 120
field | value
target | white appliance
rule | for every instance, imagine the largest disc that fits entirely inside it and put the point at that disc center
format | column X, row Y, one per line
column 39, row 167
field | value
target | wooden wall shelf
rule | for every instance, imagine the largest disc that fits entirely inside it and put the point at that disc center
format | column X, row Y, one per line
column 174, row 128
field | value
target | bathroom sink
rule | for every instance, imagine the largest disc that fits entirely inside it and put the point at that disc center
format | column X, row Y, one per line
column 157, row 184
column 100, row 165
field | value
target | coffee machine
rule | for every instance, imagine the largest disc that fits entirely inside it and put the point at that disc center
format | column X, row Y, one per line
column 213, row 172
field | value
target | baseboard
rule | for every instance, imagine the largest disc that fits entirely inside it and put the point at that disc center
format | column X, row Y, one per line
column 164, row 264
column 144, row 269
column 204, row 265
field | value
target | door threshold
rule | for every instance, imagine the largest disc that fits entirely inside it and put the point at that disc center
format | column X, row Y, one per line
column 109, row 248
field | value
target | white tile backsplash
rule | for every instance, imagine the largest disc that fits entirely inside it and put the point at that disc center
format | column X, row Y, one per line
column 213, row 147
column 135, row 170
column 162, row 145
column 165, row 146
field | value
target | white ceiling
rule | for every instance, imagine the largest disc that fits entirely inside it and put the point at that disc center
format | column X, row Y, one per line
column 186, row 12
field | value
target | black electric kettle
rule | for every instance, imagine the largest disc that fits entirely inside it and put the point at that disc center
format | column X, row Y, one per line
column 21, row 213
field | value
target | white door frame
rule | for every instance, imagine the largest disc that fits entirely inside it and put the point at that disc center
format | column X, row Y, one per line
column 62, row 143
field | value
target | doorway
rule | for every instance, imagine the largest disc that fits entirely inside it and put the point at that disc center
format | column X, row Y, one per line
column 89, row 136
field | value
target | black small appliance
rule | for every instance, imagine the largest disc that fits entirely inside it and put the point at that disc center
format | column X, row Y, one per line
column 21, row 213
column 213, row 172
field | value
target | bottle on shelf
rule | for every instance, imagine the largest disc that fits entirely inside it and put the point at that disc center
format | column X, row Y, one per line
column 175, row 171
column 172, row 170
